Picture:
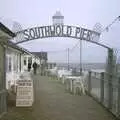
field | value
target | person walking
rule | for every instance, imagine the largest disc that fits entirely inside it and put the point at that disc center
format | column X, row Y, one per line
column 29, row 67
column 35, row 67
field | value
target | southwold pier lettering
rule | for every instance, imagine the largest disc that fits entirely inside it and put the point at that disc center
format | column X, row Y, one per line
column 57, row 31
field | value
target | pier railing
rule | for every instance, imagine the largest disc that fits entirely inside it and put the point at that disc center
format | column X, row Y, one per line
column 105, row 89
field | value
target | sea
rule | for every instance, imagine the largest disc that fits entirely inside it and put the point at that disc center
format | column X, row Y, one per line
column 97, row 67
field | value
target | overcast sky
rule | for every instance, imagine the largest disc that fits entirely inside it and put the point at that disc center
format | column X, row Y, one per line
column 85, row 13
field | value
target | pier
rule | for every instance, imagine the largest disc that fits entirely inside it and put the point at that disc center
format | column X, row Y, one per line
column 53, row 102
column 48, row 82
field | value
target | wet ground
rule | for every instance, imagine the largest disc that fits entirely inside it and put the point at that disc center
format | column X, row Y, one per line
column 53, row 102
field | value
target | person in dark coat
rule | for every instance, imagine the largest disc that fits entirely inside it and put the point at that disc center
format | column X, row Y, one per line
column 35, row 67
column 29, row 67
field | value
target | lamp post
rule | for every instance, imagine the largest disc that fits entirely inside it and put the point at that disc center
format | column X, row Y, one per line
column 68, row 60
column 80, row 57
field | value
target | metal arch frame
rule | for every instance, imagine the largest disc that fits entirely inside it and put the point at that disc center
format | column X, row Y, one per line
column 52, row 33
column 75, row 37
column 94, row 42
column 66, row 35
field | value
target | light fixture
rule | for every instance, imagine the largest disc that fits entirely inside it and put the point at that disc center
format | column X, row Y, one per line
column 119, row 18
column 107, row 29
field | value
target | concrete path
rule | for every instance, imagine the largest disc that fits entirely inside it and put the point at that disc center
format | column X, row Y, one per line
column 53, row 102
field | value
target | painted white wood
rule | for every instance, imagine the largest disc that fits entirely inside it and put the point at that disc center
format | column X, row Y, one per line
column 13, row 65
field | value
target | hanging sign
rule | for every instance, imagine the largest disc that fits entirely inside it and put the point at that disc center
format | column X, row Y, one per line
column 57, row 31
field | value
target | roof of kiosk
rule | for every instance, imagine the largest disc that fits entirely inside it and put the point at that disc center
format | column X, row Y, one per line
column 5, row 33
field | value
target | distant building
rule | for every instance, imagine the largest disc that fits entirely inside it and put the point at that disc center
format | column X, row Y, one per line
column 58, row 19
column 43, row 61
column 51, row 65
column 43, row 57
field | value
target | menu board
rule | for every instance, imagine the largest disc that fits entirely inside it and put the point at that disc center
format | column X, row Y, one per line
column 24, row 96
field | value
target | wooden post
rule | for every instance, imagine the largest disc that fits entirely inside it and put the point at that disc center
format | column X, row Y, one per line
column 118, row 99
column 102, row 88
column 89, row 82
column 110, row 72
